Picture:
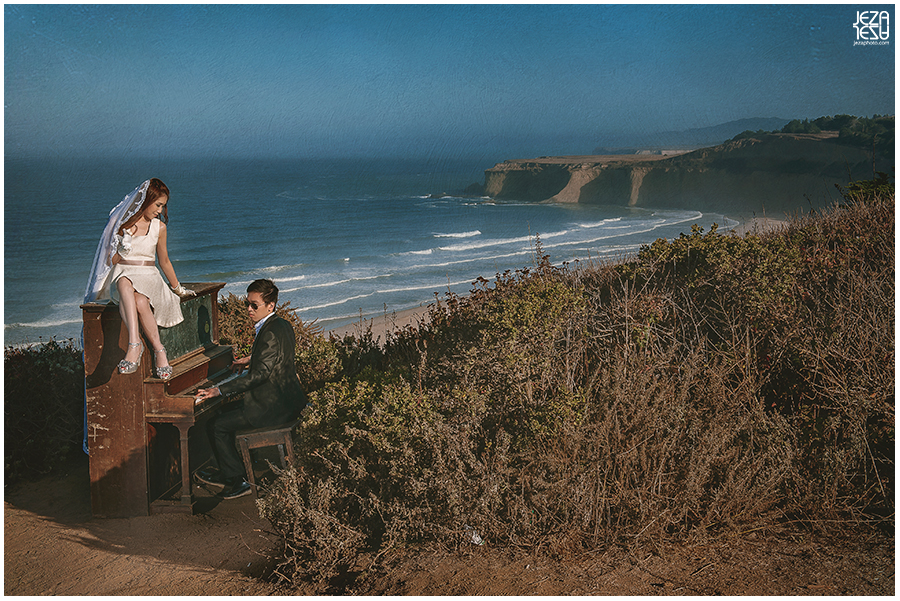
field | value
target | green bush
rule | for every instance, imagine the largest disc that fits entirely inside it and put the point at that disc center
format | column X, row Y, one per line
column 367, row 478
column 43, row 408
column 750, row 277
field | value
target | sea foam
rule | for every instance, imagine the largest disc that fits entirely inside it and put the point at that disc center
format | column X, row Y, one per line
column 459, row 235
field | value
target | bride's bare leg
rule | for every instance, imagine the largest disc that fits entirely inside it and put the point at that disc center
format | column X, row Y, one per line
column 128, row 311
column 151, row 329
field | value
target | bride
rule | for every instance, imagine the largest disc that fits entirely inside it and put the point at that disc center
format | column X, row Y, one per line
column 125, row 271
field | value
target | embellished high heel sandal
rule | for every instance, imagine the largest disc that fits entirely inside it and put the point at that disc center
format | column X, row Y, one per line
column 129, row 367
column 163, row 373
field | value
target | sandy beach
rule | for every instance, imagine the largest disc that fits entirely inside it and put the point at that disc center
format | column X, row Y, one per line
column 758, row 225
column 383, row 324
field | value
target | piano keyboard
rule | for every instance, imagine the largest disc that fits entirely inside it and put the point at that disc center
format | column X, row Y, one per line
column 219, row 383
column 233, row 376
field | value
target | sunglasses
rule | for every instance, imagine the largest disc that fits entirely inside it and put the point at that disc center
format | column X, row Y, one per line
column 252, row 304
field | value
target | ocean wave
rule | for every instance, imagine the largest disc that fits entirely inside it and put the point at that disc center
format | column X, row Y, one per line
column 68, row 305
column 679, row 216
column 322, row 285
column 339, row 282
column 277, row 268
column 602, row 223
column 348, row 319
column 588, row 253
column 296, row 278
column 431, row 286
column 42, row 323
column 480, row 258
column 278, row 281
column 645, row 227
column 606, row 237
column 593, row 239
column 335, row 303
column 471, row 234
column 240, row 284
column 500, row 242
column 687, row 216
column 412, row 288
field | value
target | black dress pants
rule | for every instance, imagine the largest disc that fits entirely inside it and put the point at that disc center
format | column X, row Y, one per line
column 221, row 430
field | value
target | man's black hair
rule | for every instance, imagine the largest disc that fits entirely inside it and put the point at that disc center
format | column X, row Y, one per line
column 266, row 288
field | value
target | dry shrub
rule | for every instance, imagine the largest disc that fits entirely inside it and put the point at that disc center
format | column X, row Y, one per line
column 835, row 380
column 667, row 440
column 316, row 540
column 714, row 385
column 379, row 468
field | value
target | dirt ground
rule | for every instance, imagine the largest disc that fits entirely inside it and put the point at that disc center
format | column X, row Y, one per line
column 53, row 546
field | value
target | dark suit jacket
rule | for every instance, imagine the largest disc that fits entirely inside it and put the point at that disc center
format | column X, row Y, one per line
column 272, row 393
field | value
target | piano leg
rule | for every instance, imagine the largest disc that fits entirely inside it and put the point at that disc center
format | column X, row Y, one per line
column 187, row 492
column 170, row 500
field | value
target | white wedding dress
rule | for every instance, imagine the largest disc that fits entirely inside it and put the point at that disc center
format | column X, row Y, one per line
column 147, row 280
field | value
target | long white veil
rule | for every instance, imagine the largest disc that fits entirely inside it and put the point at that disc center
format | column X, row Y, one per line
column 98, row 287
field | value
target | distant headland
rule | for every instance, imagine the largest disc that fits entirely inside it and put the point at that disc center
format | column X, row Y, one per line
column 759, row 171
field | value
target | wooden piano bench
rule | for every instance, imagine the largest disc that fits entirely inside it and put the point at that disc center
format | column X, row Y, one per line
column 266, row 437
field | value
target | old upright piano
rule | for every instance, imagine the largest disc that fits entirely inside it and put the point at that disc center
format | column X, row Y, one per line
column 141, row 436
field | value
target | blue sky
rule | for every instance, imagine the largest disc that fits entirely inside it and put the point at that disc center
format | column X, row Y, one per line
column 419, row 80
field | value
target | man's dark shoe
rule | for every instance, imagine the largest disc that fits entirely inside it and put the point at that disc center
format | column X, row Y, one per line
column 237, row 489
column 210, row 476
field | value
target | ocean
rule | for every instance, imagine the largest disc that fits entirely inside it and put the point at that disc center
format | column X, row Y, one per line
column 342, row 238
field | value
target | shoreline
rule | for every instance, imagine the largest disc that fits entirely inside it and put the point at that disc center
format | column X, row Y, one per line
column 394, row 321
column 752, row 225
column 382, row 324
column 397, row 320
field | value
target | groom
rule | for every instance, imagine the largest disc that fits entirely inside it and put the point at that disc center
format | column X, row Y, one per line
column 272, row 392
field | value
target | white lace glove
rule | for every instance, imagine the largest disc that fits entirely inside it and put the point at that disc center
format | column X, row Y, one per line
column 182, row 291
column 124, row 245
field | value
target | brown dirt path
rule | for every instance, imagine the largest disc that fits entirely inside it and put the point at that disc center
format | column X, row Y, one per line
column 53, row 546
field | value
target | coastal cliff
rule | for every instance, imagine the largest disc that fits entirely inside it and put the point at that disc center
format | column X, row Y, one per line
column 773, row 172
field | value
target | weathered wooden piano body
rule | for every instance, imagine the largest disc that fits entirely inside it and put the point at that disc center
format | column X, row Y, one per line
column 140, row 437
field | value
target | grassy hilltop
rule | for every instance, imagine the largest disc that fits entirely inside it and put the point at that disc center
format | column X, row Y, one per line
column 712, row 386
